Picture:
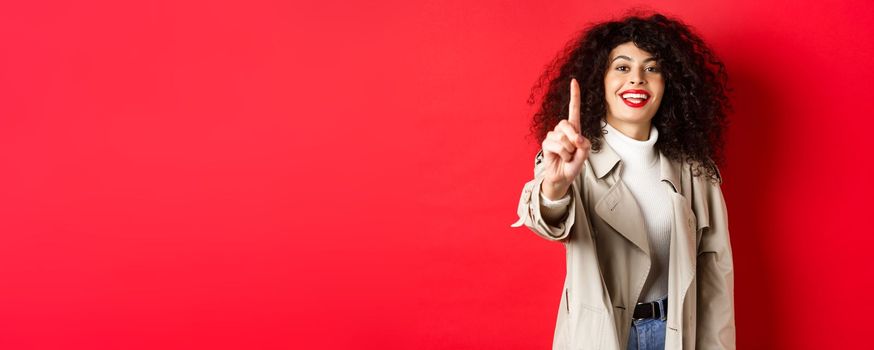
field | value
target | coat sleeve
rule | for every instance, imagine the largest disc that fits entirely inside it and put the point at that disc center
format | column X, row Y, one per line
column 715, row 310
column 529, row 208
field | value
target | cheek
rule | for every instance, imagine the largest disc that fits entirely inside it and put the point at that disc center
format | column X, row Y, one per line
column 611, row 84
column 609, row 94
column 661, row 85
column 659, row 89
column 610, row 90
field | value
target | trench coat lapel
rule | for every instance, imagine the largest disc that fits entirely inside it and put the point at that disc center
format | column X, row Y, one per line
column 617, row 207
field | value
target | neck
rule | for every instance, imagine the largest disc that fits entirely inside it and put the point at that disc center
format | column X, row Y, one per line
column 635, row 154
column 637, row 131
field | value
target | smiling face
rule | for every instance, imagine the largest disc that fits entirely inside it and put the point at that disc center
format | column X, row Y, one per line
column 635, row 75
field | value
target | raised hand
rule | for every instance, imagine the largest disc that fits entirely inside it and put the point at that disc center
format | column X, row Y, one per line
column 564, row 150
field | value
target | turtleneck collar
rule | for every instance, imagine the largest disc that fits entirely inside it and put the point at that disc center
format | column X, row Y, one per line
column 634, row 154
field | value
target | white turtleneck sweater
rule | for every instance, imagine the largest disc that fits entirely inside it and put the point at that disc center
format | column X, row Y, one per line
column 641, row 174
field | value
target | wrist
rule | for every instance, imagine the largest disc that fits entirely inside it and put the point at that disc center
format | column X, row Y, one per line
column 553, row 191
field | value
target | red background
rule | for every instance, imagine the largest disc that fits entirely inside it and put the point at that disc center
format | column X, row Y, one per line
column 343, row 175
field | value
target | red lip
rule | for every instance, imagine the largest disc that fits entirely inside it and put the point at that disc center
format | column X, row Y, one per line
column 635, row 91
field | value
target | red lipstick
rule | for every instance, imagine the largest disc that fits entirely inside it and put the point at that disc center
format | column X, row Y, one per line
column 635, row 91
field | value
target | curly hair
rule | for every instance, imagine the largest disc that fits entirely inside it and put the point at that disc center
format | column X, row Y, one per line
column 691, row 118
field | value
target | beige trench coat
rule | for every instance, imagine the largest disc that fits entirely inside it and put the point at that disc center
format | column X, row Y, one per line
column 608, row 257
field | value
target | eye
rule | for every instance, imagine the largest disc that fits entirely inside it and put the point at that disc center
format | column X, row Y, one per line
column 620, row 68
column 653, row 69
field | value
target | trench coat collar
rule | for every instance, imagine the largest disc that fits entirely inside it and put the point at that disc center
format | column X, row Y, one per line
column 604, row 161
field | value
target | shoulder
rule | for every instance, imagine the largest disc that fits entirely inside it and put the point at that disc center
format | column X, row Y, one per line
column 706, row 171
column 706, row 195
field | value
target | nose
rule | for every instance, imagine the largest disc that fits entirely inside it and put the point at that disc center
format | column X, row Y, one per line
column 637, row 79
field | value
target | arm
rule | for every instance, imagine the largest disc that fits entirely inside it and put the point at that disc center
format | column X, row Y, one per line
column 547, row 221
column 715, row 314
column 566, row 152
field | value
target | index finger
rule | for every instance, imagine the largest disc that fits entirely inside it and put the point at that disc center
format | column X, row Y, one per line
column 574, row 108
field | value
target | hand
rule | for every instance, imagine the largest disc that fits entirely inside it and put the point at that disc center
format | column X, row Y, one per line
column 564, row 150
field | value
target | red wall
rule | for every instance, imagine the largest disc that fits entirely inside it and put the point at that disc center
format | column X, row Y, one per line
column 339, row 176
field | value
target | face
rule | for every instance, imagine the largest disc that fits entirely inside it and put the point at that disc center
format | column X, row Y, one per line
column 635, row 75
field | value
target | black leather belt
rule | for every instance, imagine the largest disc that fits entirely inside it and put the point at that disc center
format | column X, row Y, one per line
column 651, row 309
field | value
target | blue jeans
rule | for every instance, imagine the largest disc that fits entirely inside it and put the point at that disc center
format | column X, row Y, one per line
column 647, row 334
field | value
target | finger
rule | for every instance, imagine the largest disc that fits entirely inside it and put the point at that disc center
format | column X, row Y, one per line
column 562, row 139
column 560, row 143
column 580, row 155
column 574, row 108
column 584, row 142
column 572, row 134
column 567, row 144
column 557, row 149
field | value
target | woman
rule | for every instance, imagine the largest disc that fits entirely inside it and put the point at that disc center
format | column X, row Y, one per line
column 628, row 180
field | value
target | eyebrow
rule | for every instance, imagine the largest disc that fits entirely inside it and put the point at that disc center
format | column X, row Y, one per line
column 629, row 58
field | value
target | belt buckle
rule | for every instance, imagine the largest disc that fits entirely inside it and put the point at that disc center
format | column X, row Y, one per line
column 663, row 310
column 653, row 305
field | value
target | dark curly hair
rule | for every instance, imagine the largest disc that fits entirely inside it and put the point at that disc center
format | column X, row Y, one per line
column 691, row 118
